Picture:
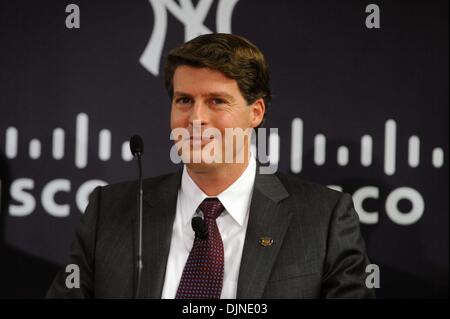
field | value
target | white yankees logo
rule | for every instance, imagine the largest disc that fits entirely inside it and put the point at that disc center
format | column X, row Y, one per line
column 193, row 20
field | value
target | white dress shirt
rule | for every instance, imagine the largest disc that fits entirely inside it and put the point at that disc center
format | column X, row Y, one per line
column 232, row 224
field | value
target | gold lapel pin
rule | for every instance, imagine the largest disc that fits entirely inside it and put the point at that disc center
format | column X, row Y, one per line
column 266, row 241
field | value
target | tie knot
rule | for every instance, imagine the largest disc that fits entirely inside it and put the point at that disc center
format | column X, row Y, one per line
column 211, row 208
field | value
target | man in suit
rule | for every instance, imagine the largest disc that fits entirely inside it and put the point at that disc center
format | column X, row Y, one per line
column 265, row 235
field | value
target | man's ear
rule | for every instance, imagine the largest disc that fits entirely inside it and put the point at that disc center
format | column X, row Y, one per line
column 257, row 112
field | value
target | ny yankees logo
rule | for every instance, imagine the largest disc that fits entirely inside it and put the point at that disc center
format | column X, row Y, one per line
column 193, row 19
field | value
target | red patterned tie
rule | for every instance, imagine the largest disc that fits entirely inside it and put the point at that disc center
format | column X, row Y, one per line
column 203, row 273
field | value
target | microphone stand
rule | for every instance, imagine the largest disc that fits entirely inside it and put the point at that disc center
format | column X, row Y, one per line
column 137, row 149
column 139, row 252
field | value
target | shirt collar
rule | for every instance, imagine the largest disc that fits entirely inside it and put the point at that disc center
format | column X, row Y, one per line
column 236, row 198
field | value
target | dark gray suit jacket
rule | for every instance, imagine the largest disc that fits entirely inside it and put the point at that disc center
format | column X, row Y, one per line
column 317, row 248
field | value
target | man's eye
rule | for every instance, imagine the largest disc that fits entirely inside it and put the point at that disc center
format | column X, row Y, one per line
column 183, row 100
column 218, row 101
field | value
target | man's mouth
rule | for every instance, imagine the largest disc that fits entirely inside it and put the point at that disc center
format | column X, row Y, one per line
column 198, row 140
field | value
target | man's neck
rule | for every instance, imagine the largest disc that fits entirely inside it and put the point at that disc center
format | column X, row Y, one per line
column 213, row 181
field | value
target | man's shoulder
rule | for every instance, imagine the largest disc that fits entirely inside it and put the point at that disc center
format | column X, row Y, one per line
column 313, row 203
column 308, row 191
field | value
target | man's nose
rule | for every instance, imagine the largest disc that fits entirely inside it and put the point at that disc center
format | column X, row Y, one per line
column 199, row 113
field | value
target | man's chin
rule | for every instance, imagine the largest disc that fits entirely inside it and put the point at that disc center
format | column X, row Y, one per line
column 203, row 166
column 200, row 158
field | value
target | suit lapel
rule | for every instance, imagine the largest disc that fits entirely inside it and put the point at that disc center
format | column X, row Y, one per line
column 268, row 218
column 159, row 208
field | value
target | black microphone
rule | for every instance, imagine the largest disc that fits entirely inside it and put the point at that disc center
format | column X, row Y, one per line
column 136, row 146
column 199, row 227
column 137, row 149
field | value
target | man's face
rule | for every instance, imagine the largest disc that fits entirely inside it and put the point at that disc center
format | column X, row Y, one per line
column 212, row 100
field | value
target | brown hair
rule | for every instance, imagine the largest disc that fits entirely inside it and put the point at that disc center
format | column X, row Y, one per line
column 234, row 56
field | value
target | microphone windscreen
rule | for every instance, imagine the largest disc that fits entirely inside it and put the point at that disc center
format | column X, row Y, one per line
column 136, row 145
